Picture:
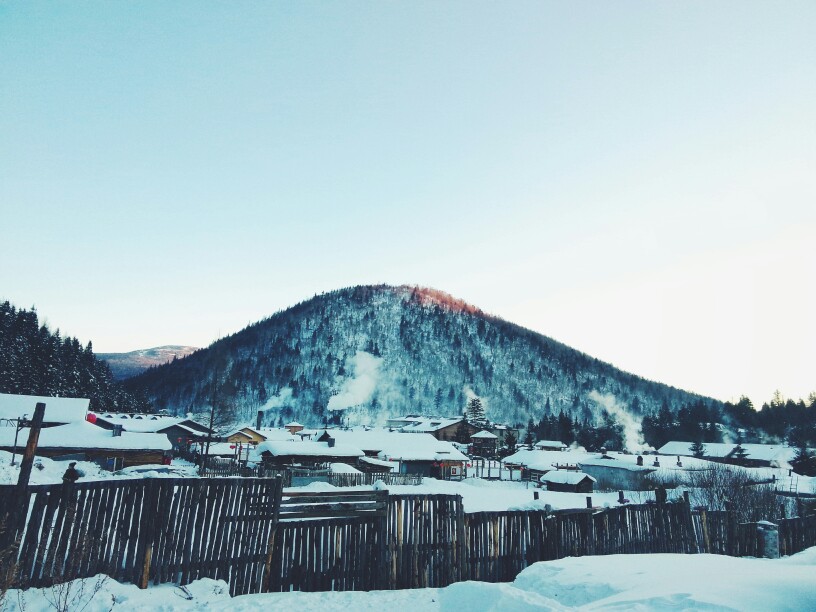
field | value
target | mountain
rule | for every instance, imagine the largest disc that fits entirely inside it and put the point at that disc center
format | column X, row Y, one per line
column 125, row 365
column 361, row 354
column 36, row 361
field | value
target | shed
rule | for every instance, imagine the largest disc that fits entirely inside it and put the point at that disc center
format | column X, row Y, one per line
column 612, row 474
column 568, row 481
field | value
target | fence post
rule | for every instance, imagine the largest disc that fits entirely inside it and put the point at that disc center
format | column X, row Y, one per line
column 731, row 531
column 147, row 529
column 266, row 583
column 14, row 517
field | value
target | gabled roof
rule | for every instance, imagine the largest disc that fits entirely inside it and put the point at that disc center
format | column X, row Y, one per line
column 57, row 409
column 306, row 448
column 423, row 424
column 484, row 435
column 565, row 477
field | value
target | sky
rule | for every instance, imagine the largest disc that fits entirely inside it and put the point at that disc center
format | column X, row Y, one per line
column 634, row 179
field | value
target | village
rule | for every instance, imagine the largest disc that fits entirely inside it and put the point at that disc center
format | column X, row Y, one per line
column 151, row 499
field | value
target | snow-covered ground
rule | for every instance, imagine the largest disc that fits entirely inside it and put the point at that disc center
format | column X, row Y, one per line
column 619, row 582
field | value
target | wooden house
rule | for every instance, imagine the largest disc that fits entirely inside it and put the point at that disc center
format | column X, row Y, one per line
column 483, row 444
column 83, row 441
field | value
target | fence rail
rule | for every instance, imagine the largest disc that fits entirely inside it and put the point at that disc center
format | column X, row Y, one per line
column 257, row 537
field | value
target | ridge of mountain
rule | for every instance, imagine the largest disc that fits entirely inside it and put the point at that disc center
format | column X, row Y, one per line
column 126, row 365
column 362, row 354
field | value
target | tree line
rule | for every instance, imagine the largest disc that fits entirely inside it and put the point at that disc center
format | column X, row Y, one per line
column 37, row 361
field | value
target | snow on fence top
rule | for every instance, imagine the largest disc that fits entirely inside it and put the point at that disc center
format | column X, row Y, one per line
column 57, row 409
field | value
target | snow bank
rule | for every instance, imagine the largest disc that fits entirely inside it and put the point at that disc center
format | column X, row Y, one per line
column 616, row 582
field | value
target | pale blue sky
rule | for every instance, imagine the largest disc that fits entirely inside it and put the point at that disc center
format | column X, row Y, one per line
column 635, row 179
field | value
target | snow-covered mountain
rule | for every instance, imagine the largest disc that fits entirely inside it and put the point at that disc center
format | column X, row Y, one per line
column 125, row 365
column 373, row 351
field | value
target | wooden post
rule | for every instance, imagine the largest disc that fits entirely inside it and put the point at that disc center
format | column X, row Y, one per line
column 15, row 515
column 31, row 448
column 266, row 583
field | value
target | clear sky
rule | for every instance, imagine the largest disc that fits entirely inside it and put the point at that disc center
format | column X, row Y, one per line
column 635, row 179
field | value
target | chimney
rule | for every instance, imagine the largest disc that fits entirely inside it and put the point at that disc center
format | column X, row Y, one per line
column 330, row 442
column 117, row 431
column 258, row 421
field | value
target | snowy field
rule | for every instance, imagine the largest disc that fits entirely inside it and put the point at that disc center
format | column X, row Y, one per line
column 620, row 582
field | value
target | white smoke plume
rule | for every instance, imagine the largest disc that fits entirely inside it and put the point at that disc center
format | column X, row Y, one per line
column 632, row 433
column 277, row 401
column 360, row 387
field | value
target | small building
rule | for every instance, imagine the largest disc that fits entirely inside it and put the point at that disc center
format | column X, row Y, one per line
column 483, row 443
column 613, row 474
column 502, row 432
column 246, row 435
column 550, row 445
column 293, row 427
column 568, row 481
column 441, row 428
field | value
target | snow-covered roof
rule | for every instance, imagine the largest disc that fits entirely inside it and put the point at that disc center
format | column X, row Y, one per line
column 422, row 424
column 419, row 447
column 140, row 423
column 390, row 465
column 615, row 464
column 294, row 424
column 565, row 477
column 484, row 435
column 190, row 430
column 769, row 452
column 306, row 448
column 343, row 468
column 550, row 444
column 683, row 449
column 57, row 409
column 84, row 435
column 277, row 434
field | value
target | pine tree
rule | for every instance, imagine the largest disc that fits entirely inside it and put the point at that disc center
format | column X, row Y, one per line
column 697, row 449
column 475, row 413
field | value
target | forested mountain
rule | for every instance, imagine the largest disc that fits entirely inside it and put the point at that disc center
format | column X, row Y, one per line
column 365, row 353
column 36, row 361
column 125, row 365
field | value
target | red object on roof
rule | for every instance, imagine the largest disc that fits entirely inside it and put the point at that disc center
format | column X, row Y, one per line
column 90, row 417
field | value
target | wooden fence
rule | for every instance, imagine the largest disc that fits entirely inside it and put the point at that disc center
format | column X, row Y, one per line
column 159, row 530
column 248, row 532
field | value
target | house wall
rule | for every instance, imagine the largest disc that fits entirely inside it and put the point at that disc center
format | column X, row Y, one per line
column 585, row 486
column 615, row 478
column 129, row 457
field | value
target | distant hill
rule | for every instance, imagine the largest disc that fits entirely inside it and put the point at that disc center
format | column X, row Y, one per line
column 125, row 365
column 365, row 353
